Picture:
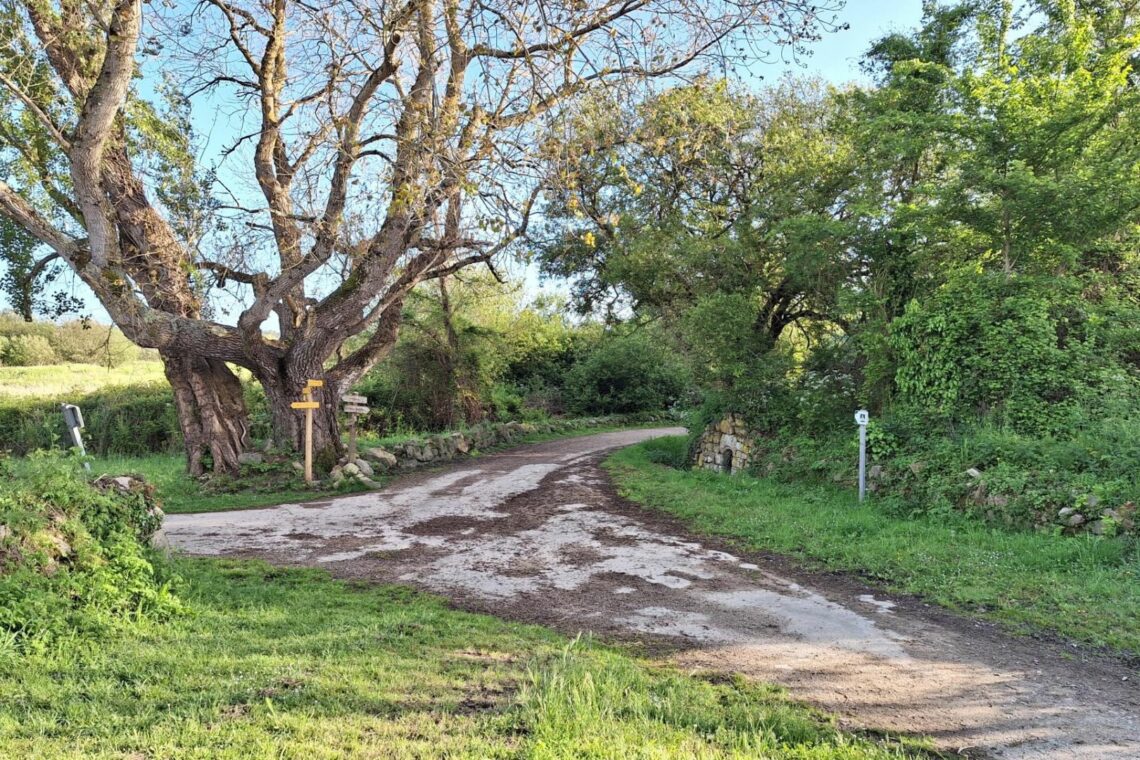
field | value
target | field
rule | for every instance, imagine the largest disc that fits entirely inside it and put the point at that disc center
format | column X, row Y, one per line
column 57, row 379
column 288, row 663
column 1085, row 588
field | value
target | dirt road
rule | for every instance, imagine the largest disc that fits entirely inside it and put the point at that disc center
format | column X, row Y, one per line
column 538, row 534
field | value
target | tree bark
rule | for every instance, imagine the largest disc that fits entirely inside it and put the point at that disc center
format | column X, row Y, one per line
column 211, row 412
column 282, row 387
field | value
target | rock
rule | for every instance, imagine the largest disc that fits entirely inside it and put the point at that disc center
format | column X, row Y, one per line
column 62, row 548
column 997, row 500
column 1097, row 527
column 250, row 457
column 974, row 473
column 1075, row 520
column 917, row 467
column 350, row 469
column 1092, row 501
column 5, row 531
column 368, row 482
column 1065, row 512
column 364, row 467
column 336, row 474
column 298, row 467
column 382, row 457
column 462, row 444
column 875, row 472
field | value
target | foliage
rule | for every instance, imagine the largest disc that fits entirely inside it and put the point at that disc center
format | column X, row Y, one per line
column 953, row 247
column 72, row 557
column 1085, row 588
column 28, row 351
column 131, row 420
column 1029, row 354
column 76, row 341
column 625, row 374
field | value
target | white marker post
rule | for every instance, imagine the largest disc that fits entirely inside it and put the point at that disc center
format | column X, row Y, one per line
column 73, row 418
column 862, row 417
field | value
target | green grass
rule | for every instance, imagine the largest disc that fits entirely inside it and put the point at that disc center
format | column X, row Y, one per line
column 288, row 663
column 57, row 379
column 1084, row 588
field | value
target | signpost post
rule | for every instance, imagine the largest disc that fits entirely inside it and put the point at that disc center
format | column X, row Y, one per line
column 73, row 418
column 353, row 405
column 308, row 404
column 862, row 417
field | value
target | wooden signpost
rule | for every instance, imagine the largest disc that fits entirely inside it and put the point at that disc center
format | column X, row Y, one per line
column 353, row 405
column 308, row 404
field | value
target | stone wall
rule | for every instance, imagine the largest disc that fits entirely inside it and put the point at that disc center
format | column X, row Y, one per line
column 443, row 447
column 726, row 446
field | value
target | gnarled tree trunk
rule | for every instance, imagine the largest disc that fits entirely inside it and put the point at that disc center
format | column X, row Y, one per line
column 281, row 390
column 211, row 411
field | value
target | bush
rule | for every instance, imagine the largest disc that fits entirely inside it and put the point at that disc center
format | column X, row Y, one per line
column 625, row 375
column 73, row 557
column 130, row 421
column 1030, row 355
column 86, row 343
column 28, row 351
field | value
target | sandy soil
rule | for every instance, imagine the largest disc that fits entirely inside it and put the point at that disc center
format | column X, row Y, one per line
column 538, row 534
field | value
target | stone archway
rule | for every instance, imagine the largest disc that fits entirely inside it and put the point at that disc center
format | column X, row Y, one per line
column 726, row 446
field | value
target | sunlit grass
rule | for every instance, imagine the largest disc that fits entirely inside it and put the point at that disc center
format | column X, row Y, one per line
column 60, row 379
column 288, row 663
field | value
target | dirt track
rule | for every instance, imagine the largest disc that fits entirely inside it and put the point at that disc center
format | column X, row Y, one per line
column 538, row 534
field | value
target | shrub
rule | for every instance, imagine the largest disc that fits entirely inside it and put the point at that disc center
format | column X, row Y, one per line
column 73, row 559
column 624, row 375
column 1030, row 355
column 87, row 343
column 28, row 351
column 130, row 421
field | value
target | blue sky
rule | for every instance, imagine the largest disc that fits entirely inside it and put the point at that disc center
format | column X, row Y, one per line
column 834, row 58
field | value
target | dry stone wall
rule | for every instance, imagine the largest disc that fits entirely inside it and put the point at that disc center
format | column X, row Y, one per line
column 726, row 446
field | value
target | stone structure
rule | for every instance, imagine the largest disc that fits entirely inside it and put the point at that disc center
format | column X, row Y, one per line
column 726, row 446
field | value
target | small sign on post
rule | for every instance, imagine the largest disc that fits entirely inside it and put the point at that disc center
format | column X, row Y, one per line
column 354, row 405
column 73, row 418
column 862, row 417
column 308, row 405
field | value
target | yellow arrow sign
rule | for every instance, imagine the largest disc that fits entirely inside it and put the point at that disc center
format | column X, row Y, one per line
column 316, row 383
column 306, row 405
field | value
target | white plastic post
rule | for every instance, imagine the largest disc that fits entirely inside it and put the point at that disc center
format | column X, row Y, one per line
column 862, row 417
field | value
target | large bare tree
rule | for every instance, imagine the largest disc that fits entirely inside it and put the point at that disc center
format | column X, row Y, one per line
column 388, row 142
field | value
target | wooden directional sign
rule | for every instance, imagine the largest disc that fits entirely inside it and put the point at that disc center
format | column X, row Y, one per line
column 352, row 398
column 316, row 383
column 306, row 404
column 355, row 409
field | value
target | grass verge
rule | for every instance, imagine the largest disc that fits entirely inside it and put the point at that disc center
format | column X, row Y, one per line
column 1085, row 588
column 289, row 663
